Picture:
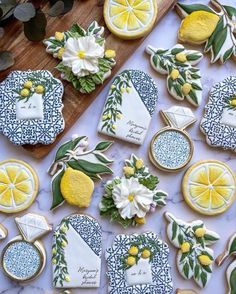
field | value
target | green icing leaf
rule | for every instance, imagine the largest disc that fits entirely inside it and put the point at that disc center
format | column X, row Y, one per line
column 232, row 248
column 186, row 270
column 193, row 7
column 56, row 191
column 203, row 277
column 232, row 281
column 70, row 145
column 96, row 168
column 103, row 146
column 231, row 11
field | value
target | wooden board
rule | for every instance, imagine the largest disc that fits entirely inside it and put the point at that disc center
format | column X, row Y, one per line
column 29, row 55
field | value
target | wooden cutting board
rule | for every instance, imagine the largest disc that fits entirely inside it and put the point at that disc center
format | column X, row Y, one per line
column 29, row 55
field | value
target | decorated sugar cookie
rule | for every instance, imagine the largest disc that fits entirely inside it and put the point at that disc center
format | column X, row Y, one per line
column 219, row 120
column 74, row 169
column 84, row 61
column 194, row 258
column 231, row 270
column 183, row 80
column 129, row 107
column 24, row 257
column 76, row 252
column 130, row 19
column 129, row 198
column 3, row 232
column 209, row 187
column 213, row 27
column 139, row 264
column 31, row 107
column 171, row 148
column 18, row 185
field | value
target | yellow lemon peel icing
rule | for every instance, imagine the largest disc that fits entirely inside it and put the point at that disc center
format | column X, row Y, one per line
column 76, row 188
column 130, row 19
column 18, row 186
column 197, row 27
column 209, row 187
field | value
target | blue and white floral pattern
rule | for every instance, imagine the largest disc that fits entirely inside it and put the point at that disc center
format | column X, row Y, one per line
column 161, row 276
column 171, row 149
column 89, row 230
column 217, row 133
column 31, row 131
column 22, row 260
column 146, row 88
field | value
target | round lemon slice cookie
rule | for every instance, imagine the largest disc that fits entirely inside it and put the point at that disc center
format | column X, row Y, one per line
column 18, row 186
column 209, row 187
column 130, row 19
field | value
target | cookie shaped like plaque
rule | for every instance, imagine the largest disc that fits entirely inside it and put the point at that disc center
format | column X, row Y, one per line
column 219, row 120
column 77, row 249
column 129, row 107
column 138, row 264
column 31, row 107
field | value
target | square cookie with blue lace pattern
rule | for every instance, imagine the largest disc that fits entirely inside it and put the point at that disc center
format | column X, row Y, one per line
column 138, row 264
column 31, row 107
column 219, row 120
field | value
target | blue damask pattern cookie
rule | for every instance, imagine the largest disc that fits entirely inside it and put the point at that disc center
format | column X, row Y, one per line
column 171, row 149
column 22, row 260
column 31, row 107
column 121, row 281
column 89, row 230
column 219, row 120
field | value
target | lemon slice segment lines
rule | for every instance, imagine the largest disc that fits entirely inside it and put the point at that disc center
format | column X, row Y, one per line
column 130, row 19
column 18, row 186
column 209, row 187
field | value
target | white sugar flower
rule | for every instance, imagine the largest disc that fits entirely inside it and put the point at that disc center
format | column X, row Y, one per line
column 82, row 55
column 132, row 198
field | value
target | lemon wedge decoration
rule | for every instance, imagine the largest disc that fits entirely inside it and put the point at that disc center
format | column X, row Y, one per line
column 209, row 187
column 130, row 19
column 18, row 186
column 76, row 187
column 198, row 26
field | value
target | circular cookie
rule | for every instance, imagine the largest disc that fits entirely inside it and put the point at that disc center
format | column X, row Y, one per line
column 209, row 187
column 130, row 19
column 171, row 149
column 22, row 260
column 18, row 185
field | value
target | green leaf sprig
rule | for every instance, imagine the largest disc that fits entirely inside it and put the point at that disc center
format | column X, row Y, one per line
column 194, row 258
column 183, row 80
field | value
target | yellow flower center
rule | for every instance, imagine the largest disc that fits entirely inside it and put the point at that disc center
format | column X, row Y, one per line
column 131, row 197
column 81, row 54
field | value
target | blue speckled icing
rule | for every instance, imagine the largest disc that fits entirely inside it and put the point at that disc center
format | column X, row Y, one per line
column 22, row 260
column 171, row 149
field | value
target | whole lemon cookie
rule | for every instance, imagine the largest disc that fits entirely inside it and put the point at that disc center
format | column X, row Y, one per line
column 76, row 187
column 209, row 187
column 18, row 185
column 130, row 19
column 74, row 169
column 213, row 26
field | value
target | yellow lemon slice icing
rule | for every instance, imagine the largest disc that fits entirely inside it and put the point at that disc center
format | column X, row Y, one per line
column 18, row 186
column 209, row 187
column 130, row 18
